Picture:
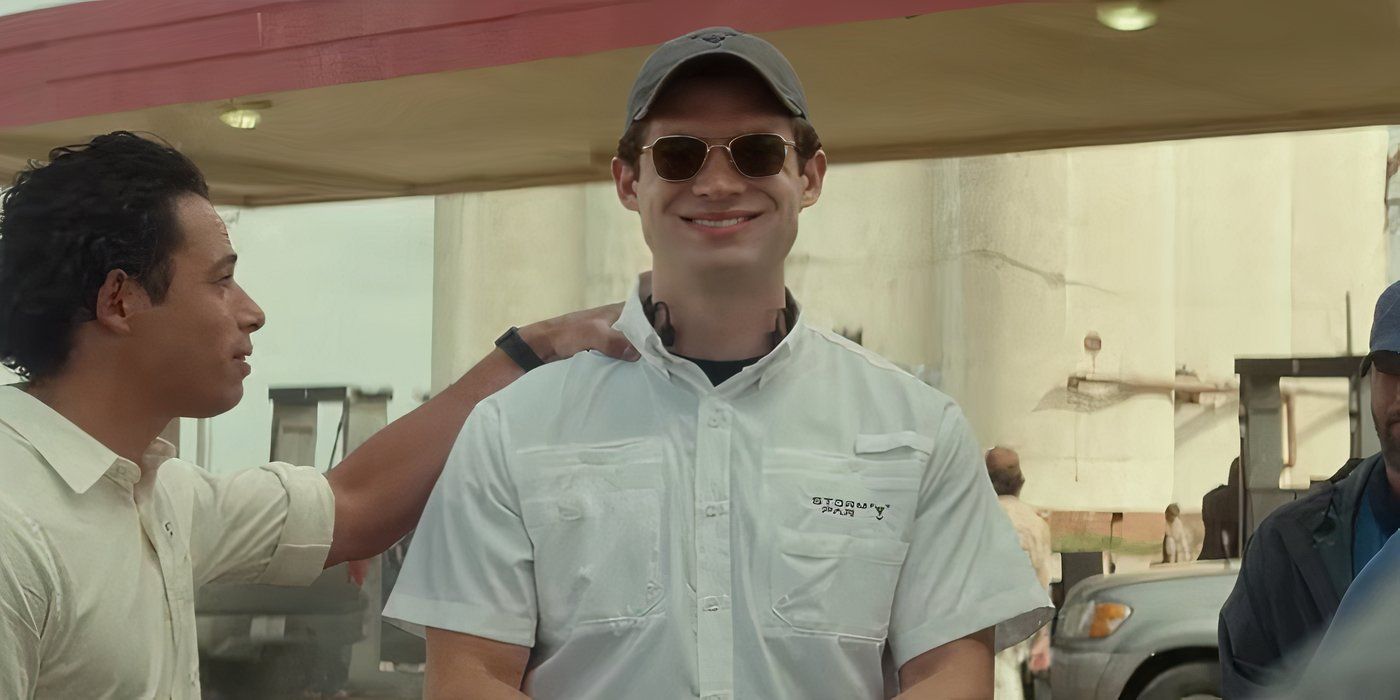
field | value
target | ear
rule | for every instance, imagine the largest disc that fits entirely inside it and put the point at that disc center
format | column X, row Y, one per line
column 812, row 176
column 625, row 178
column 119, row 299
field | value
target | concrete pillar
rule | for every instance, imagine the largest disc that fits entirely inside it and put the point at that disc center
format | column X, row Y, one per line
column 1392, row 204
column 1120, row 262
column 863, row 254
column 502, row 259
column 1005, row 342
column 1234, row 283
column 1339, row 253
column 614, row 251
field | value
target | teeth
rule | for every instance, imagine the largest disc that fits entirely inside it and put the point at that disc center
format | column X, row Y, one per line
column 720, row 223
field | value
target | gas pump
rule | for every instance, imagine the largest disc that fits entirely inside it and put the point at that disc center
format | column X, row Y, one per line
column 264, row 640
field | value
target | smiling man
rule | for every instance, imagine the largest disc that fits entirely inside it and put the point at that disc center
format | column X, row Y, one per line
column 119, row 304
column 759, row 508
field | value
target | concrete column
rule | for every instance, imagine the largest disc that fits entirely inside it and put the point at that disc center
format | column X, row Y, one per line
column 501, row 259
column 614, row 251
column 864, row 254
column 1339, row 252
column 1233, row 285
column 1003, row 285
column 1121, row 232
column 1392, row 204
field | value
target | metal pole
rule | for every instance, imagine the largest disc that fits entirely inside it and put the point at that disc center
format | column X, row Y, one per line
column 1349, row 350
column 204, row 442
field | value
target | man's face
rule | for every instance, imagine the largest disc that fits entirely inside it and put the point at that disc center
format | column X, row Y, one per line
column 1385, row 408
column 193, row 346
column 719, row 220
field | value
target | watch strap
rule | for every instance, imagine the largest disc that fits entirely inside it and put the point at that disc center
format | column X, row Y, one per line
column 518, row 350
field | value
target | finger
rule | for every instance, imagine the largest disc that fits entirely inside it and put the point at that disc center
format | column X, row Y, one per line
column 617, row 346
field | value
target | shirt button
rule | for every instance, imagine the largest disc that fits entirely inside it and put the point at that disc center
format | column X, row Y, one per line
column 715, row 420
column 711, row 511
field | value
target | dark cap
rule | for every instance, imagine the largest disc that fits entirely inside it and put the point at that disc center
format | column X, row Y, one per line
column 765, row 59
column 1385, row 327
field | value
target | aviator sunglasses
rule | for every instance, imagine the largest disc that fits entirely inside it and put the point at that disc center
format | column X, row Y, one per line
column 680, row 158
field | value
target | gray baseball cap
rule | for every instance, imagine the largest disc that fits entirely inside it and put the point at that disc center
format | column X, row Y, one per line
column 1385, row 328
column 765, row 59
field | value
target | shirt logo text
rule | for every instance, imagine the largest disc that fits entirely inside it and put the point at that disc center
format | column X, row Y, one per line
column 848, row 509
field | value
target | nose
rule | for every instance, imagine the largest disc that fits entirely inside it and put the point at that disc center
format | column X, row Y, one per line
column 718, row 177
column 251, row 316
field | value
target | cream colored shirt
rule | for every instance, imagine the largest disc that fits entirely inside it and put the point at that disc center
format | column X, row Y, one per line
column 1176, row 544
column 797, row 532
column 99, row 561
column 1033, row 533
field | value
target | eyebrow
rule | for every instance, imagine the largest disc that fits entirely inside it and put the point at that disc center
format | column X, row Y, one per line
column 227, row 261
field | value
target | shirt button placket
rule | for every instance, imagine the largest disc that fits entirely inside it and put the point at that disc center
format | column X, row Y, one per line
column 712, row 532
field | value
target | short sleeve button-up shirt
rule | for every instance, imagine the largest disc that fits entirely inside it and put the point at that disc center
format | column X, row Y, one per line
column 651, row 535
column 101, row 557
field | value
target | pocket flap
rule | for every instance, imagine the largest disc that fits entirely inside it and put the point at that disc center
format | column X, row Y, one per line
column 826, row 546
column 875, row 443
column 607, row 454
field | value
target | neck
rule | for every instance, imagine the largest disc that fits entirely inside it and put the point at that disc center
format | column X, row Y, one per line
column 97, row 403
column 726, row 317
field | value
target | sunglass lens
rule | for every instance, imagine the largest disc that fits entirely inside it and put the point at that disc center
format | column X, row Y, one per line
column 678, row 157
column 759, row 155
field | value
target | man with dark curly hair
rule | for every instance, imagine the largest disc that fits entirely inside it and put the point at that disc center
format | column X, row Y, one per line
column 119, row 305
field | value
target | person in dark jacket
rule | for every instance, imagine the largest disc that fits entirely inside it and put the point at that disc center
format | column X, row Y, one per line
column 1220, row 510
column 1305, row 554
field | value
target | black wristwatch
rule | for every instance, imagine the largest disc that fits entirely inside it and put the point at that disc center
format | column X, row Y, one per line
column 517, row 349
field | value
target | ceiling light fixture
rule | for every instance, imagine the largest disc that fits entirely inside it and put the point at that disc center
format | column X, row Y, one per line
column 246, row 115
column 1127, row 15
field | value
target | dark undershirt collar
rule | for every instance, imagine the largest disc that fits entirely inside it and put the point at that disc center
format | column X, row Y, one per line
column 719, row 371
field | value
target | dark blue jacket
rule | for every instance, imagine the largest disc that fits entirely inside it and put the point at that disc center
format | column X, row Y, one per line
column 1296, row 568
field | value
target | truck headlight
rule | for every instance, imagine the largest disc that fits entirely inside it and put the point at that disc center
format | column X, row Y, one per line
column 1093, row 620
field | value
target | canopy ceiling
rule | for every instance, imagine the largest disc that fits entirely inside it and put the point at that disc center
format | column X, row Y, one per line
column 370, row 105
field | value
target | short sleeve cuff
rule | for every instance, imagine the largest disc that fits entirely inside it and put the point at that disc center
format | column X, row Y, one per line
column 462, row 617
column 1017, row 614
column 306, row 534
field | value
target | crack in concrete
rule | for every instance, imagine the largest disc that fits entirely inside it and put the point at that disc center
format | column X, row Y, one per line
column 1051, row 278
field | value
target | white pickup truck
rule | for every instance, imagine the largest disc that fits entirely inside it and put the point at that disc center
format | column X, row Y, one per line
column 1145, row 636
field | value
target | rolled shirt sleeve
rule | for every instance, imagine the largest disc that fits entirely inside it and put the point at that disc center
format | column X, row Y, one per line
column 470, row 567
column 271, row 525
column 965, row 571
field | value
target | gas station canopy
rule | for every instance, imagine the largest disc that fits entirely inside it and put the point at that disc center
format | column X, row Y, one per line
column 379, row 98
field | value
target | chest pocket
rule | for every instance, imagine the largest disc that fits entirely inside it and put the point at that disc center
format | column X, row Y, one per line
column 593, row 514
column 842, row 532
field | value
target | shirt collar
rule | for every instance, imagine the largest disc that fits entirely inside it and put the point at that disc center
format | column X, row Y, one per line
column 78, row 458
column 637, row 328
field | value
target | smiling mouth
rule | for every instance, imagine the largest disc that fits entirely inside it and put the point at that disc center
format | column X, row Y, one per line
column 721, row 223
